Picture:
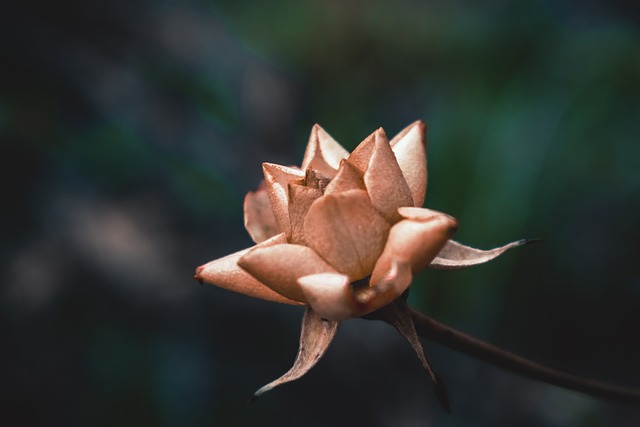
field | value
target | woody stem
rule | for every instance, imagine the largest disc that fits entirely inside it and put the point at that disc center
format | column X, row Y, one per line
column 456, row 340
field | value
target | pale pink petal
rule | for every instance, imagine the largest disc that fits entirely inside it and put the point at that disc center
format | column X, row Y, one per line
column 455, row 255
column 409, row 147
column 225, row 273
column 300, row 199
column 385, row 183
column 258, row 217
column 280, row 266
column 347, row 232
column 416, row 240
column 386, row 288
column 330, row 295
column 362, row 153
column 323, row 153
column 277, row 179
column 347, row 178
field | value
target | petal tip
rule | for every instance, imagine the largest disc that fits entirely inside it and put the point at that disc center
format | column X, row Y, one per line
column 198, row 271
column 197, row 275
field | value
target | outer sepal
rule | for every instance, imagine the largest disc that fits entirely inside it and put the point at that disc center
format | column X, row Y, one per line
column 315, row 337
column 455, row 255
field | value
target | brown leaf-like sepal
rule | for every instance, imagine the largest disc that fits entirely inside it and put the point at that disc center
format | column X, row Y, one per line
column 455, row 255
column 398, row 314
column 315, row 337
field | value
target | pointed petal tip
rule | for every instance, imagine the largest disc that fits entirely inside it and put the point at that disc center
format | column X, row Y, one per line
column 268, row 166
column 441, row 394
column 198, row 271
column 420, row 124
column 528, row 241
column 381, row 134
column 256, row 394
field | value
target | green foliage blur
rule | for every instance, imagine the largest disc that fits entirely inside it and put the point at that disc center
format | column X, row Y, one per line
column 131, row 130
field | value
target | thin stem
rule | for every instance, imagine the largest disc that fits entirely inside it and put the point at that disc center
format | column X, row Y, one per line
column 449, row 337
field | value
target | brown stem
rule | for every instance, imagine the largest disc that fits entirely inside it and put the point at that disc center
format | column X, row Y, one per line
column 448, row 337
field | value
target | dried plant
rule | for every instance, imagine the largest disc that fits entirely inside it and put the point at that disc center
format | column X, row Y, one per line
column 344, row 234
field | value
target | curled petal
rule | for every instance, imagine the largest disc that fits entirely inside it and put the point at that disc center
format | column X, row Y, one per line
column 455, row 255
column 315, row 337
column 416, row 239
column 330, row 295
column 323, row 153
column 386, row 289
column 385, row 183
column 277, row 179
column 346, row 231
column 409, row 147
column 280, row 266
column 300, row 199
column 347, row 178
column 258, row 217
column 225, row 273
column 360, row 156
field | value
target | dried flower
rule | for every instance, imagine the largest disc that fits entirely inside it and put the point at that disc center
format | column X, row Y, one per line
column 343, row 234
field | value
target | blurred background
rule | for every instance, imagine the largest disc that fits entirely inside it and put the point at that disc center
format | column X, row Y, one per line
column 131, row 130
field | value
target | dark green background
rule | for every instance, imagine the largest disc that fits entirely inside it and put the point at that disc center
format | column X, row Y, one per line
column 130, row 131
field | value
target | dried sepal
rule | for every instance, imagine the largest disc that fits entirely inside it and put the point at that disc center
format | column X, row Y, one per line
column 315, row 337
column 316, row 179
column 399, row 316
column 455, row 255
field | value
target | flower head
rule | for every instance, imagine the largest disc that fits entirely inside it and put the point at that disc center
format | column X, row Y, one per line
column 345, row 232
